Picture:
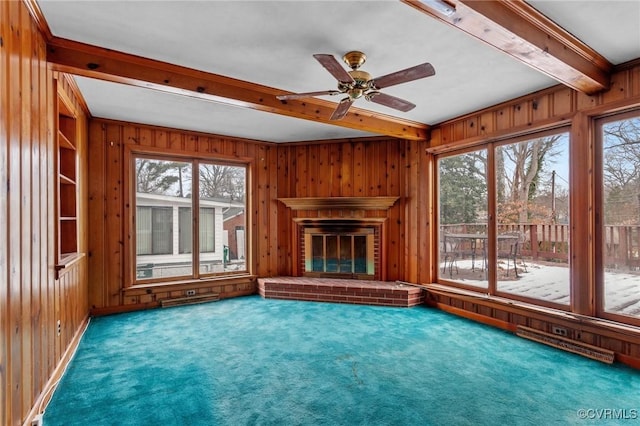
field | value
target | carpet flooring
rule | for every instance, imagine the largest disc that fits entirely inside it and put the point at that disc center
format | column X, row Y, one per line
column 254, row 361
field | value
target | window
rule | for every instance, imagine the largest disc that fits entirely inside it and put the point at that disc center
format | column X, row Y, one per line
column 504, row 219
column 619, row 153
column 532, row 221
column 154, row 230
column 185, row 232
column 166, row 195
column 207, row 230
column 463, row 218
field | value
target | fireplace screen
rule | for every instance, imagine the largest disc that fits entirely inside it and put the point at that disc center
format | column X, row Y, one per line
column 341, row 253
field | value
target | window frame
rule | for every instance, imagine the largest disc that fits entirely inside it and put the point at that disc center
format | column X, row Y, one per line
column 598, row 124
column 132, row 153
column 492, row 255
column 441, row 279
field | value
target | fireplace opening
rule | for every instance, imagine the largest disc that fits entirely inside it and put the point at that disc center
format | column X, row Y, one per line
column 340, row 251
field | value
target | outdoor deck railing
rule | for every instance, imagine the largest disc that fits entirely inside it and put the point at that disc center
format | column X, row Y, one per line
column 550, row 242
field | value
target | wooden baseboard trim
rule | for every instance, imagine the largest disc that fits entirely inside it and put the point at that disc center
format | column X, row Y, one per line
column 43, row 399
column 628, row 360
column 110, row 310
column 477, row 317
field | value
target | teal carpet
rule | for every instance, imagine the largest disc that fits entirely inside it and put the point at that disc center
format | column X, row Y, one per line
column 251, row 361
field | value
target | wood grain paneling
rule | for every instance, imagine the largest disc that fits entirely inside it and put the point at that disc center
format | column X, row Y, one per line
column 377, row 167
column 31, row 299
column 109, row 207
column 371, row 167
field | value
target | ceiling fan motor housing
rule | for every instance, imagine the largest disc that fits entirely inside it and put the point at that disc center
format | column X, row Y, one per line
column 360, row 85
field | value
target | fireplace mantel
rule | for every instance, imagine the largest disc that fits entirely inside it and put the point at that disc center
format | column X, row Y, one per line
column 329, row 203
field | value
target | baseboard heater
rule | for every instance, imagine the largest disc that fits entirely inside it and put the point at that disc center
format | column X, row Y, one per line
column 569, row 345
column 190, row 300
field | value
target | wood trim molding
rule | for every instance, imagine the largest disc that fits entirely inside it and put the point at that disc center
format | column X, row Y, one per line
column 96, row 62
column 47, row 391
column 347, row 203
column 519, row 30
column 73, row 86
column 38, row 18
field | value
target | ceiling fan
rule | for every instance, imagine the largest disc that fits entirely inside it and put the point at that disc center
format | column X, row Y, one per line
column 357, row 83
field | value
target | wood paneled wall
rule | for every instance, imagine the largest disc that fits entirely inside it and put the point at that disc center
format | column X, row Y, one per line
column 31, row 299
column 547, row 108
column 108, row 209
column 360, row 168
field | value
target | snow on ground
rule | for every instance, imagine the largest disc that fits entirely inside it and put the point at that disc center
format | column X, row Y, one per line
column 551, row 283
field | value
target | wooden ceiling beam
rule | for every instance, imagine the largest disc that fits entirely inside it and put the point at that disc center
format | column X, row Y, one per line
column 105, row 64
column 517, row 29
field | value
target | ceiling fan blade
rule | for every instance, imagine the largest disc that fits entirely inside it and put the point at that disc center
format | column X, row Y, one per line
column 342, row 109
column 307, row 94
column 403, row 76
column 390, row 101
column 334, row 67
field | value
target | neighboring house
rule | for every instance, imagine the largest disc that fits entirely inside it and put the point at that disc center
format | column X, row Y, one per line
column 164, row 226
column 234, row 227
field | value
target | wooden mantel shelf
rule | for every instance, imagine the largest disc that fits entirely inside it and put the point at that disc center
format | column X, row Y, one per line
column 328, row 203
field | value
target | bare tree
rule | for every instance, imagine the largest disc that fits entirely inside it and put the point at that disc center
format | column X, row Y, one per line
column 220, row 181
column 621, row 171
column 155, row 176
column 521, row 167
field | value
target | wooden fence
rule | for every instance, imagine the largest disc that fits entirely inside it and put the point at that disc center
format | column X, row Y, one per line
column 550, row 242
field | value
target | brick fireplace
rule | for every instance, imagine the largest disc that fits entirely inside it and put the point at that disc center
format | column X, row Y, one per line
column 348, row 246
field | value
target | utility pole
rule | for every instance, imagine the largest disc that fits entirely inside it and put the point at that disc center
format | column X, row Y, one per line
column 553, row 196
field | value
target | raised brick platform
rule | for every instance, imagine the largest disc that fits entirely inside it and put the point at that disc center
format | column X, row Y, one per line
column 385, row 293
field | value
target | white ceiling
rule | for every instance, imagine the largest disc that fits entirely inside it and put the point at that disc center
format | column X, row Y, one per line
column 272, row 42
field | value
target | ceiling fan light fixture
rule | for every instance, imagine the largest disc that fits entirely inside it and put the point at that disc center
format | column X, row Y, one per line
column 440, row 6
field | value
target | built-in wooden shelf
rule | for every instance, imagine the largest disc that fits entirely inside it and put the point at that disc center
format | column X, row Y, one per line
column 66, row 181
column 66, row 190
column 64, row 141
column 330, row 203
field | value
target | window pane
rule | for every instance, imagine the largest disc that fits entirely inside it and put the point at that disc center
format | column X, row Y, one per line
column 463, row 218
column 162, row 188
column 162, row 230
column 621, row 210
column 222, row 218
column 207, row 229
column 143, row 230
column 532, row 190
column 185, row 240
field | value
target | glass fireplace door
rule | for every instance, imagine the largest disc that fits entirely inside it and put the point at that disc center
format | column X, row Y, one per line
column 346, row 253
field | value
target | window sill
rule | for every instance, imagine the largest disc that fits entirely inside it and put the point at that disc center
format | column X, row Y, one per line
column 149, row 287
